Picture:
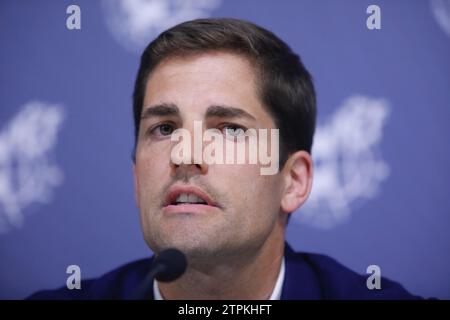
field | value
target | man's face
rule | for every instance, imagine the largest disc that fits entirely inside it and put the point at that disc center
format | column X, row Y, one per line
column 243, row 206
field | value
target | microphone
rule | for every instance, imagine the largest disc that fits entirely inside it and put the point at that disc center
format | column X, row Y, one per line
column 168, row 266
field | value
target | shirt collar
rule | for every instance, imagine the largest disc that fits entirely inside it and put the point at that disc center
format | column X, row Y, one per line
column 276, row 293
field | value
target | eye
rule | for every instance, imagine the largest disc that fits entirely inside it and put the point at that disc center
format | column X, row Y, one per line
column 165, row 129
column 233, row 130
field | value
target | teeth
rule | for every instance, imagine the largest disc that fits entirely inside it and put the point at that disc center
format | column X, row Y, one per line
column 188, row 198
column 184, row 197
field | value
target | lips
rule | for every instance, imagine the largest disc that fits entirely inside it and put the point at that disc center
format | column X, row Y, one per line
column 187, row 195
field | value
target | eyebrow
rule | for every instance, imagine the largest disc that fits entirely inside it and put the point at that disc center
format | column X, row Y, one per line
column 227, row 112
column 217, row 111
column 160, row 110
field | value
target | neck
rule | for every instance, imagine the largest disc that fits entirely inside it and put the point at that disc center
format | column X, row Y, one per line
column 246, row 276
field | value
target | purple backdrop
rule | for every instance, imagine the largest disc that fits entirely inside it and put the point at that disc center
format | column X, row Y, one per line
column 382, row 149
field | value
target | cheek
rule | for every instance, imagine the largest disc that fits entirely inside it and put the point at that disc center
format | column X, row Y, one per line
column 248, row 188
column 152, row 170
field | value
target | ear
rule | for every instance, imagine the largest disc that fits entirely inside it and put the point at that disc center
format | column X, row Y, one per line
column 298, row 175
column 136, row 185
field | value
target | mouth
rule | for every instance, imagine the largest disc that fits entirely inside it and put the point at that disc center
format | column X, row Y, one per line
column 182, row 198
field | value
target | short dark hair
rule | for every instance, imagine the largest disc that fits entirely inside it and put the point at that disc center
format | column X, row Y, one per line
column 284, row 85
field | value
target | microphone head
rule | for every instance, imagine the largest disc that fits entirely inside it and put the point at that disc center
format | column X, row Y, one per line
column 173, row 263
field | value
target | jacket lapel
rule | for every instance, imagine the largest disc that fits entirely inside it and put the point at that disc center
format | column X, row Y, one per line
column 300, row 280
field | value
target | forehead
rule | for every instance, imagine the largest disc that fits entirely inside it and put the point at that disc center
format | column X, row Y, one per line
column 218, row 64
column 195, row 82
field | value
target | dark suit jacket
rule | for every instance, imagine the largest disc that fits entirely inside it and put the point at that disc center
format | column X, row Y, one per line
column 307, row 276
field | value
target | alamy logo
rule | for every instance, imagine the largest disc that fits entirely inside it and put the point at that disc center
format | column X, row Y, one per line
column 27, row 174
column 74, row 280
column 374, row 280
column 73, row 21
column 213, row 147
column 373, row 21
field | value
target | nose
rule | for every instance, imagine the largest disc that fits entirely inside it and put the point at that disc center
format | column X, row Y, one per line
column 189, row 169
column 192, row 143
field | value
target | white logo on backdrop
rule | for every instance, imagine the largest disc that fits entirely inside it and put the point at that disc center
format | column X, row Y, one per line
column 348, row 162
column 27, row 174
column 134, row 23
column 441, row 12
